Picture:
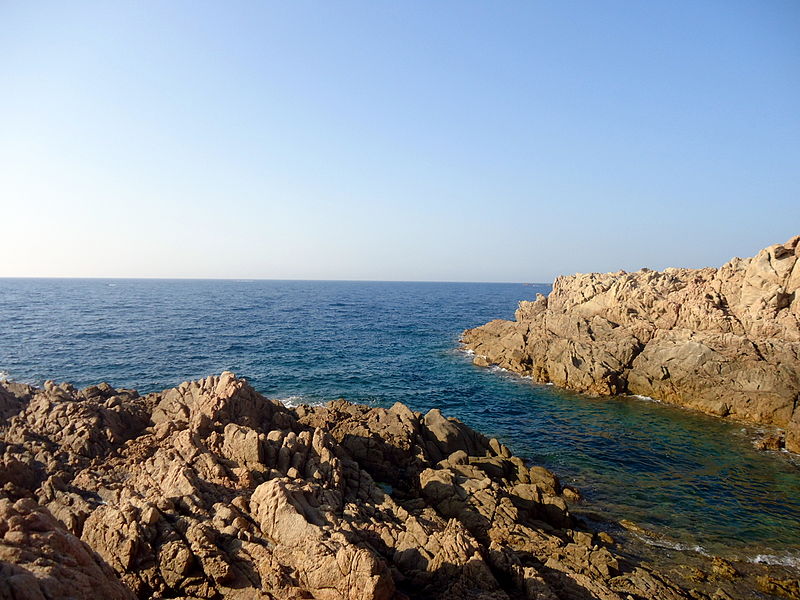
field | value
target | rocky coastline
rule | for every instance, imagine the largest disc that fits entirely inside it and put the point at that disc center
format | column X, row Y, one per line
column 722, row 341
column 211, row 490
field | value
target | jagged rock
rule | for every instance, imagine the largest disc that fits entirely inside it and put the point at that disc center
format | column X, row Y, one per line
column 210, row 490
column 723, row 341
column 771, row 441
column 13, row 397
column 783, row 588
column 723, row 569
column 39, row 559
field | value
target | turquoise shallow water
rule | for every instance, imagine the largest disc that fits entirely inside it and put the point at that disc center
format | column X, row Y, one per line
column 694, row 479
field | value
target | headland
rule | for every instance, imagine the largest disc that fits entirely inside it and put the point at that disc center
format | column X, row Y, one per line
column 724, row 341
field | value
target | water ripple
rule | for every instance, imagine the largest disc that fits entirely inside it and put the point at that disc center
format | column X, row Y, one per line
column 695, row 480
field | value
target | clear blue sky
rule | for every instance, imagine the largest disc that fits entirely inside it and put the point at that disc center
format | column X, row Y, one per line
column 395, row 140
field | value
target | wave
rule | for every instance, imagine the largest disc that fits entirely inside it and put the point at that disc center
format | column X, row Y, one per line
column 778, row 560
column 789, row 559
column 5, row 376
column 645, row 398
column 295, row 401
column 98, row 335
column 671, row 545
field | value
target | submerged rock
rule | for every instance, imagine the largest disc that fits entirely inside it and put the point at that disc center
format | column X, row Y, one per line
column 210, row 490
column 723, row 341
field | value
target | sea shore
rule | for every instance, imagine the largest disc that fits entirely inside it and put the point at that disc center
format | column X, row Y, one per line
column 211, row 490
column 722, row 341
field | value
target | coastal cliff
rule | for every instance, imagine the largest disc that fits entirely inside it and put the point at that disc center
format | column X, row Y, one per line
column 210, row 490
column 723, row 341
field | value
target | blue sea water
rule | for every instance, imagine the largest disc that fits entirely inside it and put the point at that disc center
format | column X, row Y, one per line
column 694, row 479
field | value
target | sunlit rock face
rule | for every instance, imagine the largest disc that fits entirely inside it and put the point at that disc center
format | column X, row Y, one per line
column 724, row 341
column 210, row 490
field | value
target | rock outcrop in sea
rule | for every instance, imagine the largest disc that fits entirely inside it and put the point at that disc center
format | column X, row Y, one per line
column 210, row 490
column 723, row 341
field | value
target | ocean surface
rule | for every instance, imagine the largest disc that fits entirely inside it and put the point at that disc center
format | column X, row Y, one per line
column 694, row 481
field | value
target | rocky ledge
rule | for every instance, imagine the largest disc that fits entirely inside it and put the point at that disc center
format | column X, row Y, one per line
column 723, row 341
column 210, row 490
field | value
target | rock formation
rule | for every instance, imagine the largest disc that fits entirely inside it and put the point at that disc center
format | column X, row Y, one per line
column 723, row 341
column 211, row 490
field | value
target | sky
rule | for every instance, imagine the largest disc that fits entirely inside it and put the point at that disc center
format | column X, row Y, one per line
column 444, row 141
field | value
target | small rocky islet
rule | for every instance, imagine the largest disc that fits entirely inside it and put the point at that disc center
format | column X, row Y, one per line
column 211, row 490
column 722, row 341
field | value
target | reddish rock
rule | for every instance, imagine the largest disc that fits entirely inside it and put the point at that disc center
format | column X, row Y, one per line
column 210, row 490
column 723, row 341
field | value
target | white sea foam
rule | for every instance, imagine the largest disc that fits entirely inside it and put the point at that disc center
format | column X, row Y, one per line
column 468, row 351
column 4, row 376
column 679, row 546
column 295, row 401
column 778, row 560
column 672, row 545
column 291, row 401
column 549, row 383
column 645, row 398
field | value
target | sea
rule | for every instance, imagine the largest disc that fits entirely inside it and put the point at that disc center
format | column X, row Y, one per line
column 691, row 482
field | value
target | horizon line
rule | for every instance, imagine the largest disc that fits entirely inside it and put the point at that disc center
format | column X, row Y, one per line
column 248, row 279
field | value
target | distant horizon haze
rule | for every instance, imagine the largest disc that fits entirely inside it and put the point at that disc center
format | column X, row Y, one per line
column 249, row 279
column 395, row 142
column 245, row 279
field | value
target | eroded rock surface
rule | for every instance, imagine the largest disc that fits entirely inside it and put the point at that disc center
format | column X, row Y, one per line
column 724, row 341
column 211, row 490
